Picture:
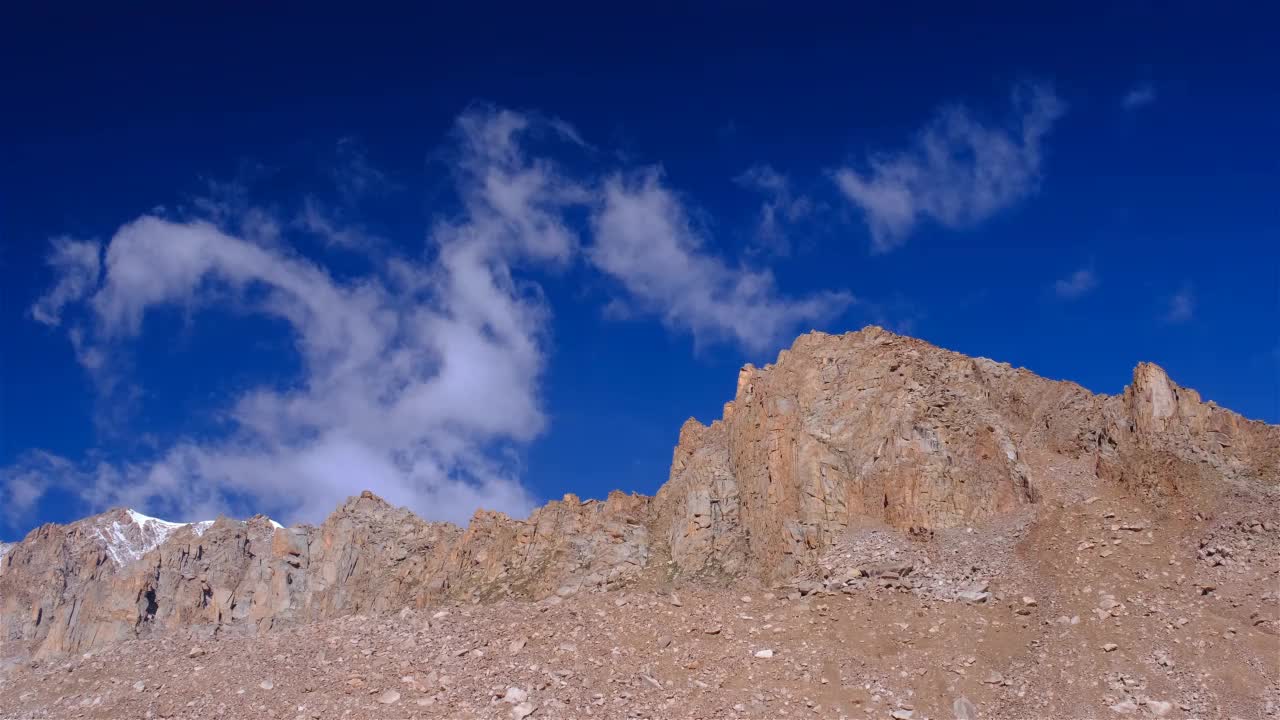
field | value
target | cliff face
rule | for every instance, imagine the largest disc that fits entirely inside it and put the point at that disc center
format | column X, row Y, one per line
column 868, row 428
column 1160, row 439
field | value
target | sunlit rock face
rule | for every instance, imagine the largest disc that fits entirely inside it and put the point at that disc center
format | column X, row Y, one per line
column 866, row 429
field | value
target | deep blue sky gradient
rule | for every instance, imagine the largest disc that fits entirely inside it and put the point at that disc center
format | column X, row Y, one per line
column 108, row 113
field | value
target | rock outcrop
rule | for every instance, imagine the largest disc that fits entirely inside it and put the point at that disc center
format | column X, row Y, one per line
column 867, row 429
column 1161, row 439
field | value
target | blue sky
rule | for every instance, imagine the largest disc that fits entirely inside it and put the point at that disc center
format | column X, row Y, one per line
column 256, row 263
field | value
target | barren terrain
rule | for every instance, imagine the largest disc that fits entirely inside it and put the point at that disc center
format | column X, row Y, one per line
column 876, row 529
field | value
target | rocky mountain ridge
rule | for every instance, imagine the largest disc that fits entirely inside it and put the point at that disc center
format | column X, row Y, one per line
column 863, row 430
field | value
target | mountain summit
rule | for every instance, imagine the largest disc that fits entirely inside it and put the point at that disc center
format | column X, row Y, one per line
column 864, row 429
column 865, row 461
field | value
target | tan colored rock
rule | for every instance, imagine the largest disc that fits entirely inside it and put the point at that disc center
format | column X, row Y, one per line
column 867, row 429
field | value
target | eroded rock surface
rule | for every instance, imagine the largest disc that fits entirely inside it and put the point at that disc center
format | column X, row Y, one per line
column 868, row 432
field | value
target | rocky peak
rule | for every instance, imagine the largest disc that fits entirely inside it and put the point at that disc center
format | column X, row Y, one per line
column 842, row 433
column 1153, row 398
column 366, row 503
column 1160, row 437
column 127, row 535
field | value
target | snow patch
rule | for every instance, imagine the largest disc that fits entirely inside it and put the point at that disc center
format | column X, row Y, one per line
column 127, row 542
column 5, row 548
column 141, row 520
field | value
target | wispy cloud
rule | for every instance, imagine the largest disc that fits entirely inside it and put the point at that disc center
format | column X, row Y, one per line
column 353, row 175
column 415, row 377
column 780, row 210
column 1138, row 97
column 336, row 232
column 1077, row 284
column 1181, row 306
column 76, row 264
column 957, row 173
column 643, row 237
column 420, row 378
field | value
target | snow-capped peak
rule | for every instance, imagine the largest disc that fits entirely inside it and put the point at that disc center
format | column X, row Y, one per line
column 139, row 534
column 142, row 520
column 128, row 541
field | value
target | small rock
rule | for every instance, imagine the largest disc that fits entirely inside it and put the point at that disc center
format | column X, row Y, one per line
column 516, row 645
column 902, row 714
column 266, row 685
column 515, row 696
column 664, row 641
column 964, row 709
column 1109, row 647
column 675, row 600
column 389, row 697
column 1128, row 707
column 1159, row 708
column 994, row 678
column 1028, row 601
column 139, row 686
column 523, row 710
column 766, row 653
column 712, row 630
column 195, row 652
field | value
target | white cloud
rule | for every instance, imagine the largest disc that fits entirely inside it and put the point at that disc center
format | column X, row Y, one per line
column 642, row 237
column 77, row 265
column 417, row 378
column 22, row 485
column 420, row 379
column 781, row 208
column 353, row 175
column 1077, row 284
column 958, row 172
column 315, row 219
column 1182, row 306
column 1139, row 97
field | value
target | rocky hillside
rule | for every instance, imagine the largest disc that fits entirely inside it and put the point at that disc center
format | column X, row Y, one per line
column 843, row 435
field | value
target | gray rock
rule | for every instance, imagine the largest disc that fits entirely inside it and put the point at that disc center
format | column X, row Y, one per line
column 515, row 696
column 1126, row 707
